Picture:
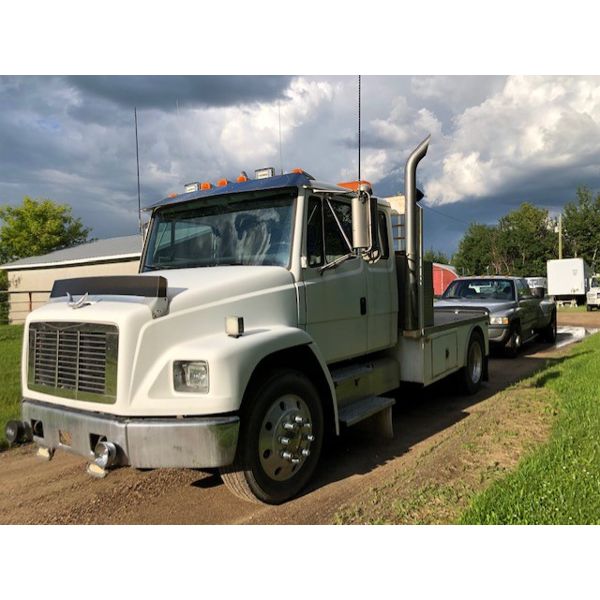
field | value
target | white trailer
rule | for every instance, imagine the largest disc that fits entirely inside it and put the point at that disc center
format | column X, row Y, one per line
column 568, row 280
column 268, row 313
column 593, row 295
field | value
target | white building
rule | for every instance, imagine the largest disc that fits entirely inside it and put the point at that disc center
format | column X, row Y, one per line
column 30, row 279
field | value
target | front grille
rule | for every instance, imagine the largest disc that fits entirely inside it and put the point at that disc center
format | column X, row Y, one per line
column 74, row 360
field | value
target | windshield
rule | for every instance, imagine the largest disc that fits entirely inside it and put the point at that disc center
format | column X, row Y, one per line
column 243, row 229
column 595, row 282
column 481, row 289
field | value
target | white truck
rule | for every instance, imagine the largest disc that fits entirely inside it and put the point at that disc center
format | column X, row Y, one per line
column 568, row 280
column 268, row 313
column 593, row 295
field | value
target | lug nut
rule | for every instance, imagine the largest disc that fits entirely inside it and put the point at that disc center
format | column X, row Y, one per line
column 299, row 420
column 295, row 461
column 287, row 455
column 290, row 426
column 284, row 441
column 305, row 452
column 307, row 426
column 309, row 437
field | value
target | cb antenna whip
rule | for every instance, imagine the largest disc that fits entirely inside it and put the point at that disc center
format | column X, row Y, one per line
column 137, row 157
column 359, row 128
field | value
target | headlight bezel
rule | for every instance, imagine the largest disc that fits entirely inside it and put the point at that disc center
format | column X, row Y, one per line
column 184, row 372
column 499, row 320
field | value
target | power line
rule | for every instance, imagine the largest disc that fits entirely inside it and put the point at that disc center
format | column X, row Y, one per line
column 443, row 214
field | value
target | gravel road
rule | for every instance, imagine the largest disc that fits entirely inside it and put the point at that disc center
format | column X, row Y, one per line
column 60, row 491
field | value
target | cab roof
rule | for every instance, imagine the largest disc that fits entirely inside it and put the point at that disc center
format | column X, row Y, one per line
column 252, row 185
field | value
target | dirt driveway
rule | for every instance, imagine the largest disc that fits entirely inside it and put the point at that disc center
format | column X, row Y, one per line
column 33, row 491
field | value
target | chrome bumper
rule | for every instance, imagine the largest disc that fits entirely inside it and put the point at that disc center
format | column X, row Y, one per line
column 144, row 442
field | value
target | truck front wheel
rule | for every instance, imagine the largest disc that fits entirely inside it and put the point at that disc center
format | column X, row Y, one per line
column 280, row 440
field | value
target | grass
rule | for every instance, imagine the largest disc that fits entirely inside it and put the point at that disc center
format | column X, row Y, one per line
column 559, row 483
column 11, row 337
column 572, row 309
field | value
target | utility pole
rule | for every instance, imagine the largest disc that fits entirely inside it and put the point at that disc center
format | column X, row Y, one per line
column 560, row 235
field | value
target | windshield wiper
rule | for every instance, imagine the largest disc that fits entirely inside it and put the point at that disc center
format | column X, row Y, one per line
column 338, row 261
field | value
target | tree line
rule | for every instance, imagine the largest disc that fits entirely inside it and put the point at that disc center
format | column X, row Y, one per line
column 36, row 227
column 524, row 239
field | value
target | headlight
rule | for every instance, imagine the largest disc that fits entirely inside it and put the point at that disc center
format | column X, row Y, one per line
column 191, row 376
column 498, row 320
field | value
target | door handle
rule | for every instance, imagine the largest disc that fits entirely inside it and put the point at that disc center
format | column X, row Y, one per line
column 363, row 306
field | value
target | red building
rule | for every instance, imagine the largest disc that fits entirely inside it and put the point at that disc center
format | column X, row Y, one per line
column 442, row 276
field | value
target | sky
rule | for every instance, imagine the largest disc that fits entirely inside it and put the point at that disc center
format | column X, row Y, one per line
column 496, row 141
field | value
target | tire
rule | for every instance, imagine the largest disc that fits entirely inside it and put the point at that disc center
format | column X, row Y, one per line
column 260, row 473
column 549, row 332
column 588, row 308
column 515, row 340
column 471, row 375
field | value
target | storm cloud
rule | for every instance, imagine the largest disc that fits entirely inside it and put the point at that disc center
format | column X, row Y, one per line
column 496, row 141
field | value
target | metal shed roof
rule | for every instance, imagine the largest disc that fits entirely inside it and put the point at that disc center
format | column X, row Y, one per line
column 108, row 250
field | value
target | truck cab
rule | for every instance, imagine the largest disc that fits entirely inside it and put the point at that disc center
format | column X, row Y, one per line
column 267, row 314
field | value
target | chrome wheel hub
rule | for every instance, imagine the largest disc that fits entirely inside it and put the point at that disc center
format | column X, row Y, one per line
column 285, row 437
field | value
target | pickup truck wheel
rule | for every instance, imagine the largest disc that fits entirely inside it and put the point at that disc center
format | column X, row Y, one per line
column 471, row 374
column 513, row 345
column 280, row 440
column 549, row 332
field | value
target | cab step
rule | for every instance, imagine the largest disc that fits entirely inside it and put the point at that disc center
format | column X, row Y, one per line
column 363, row 409
column 343, row 374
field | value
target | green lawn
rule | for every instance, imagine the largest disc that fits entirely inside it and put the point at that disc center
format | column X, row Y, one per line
column 11, row 337
column 559, row 483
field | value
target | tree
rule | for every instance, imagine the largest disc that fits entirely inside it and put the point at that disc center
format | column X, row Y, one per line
column 581, row 227
column 37, row 227
column 432, row 255
column 476, row 250
column 526, row 240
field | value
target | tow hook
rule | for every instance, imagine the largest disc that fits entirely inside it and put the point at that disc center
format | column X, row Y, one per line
column 18, row 432
column 105, row 454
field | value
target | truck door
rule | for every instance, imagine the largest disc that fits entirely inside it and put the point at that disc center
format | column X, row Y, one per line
column 529, row 308
column 335, row 297
column 382, row 297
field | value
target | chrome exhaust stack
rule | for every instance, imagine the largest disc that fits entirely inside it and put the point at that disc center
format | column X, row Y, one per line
column 412, row 315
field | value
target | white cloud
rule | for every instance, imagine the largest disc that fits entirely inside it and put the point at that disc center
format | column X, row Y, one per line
column 533, row 123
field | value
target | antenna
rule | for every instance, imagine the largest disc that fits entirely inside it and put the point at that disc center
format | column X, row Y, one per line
column 280, row 153
column 137, row 157
column 359, row 128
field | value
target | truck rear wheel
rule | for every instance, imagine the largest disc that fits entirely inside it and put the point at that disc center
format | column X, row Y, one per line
column 471, row 374
column 281, row 435
column 549, row 332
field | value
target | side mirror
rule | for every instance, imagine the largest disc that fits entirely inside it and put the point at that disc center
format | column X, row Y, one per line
column 365, row 234
column 538, row 292
column 361, row 217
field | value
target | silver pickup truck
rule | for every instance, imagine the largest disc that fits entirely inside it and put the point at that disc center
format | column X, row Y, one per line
column 517, row 313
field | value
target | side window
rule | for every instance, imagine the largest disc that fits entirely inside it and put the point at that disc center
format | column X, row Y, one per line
column 523, row 289
column 314, row 232
column 336, row 242
column 383, row 235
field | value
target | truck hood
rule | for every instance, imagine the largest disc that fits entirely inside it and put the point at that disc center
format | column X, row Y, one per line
column 492, row 306
column 192, row 287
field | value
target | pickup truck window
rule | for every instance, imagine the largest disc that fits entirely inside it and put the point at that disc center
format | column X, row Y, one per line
column 235, row 230
column 481, row 289
column 523, row 289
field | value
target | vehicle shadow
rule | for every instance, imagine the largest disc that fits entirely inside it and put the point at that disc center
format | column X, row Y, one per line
column 419, row 414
